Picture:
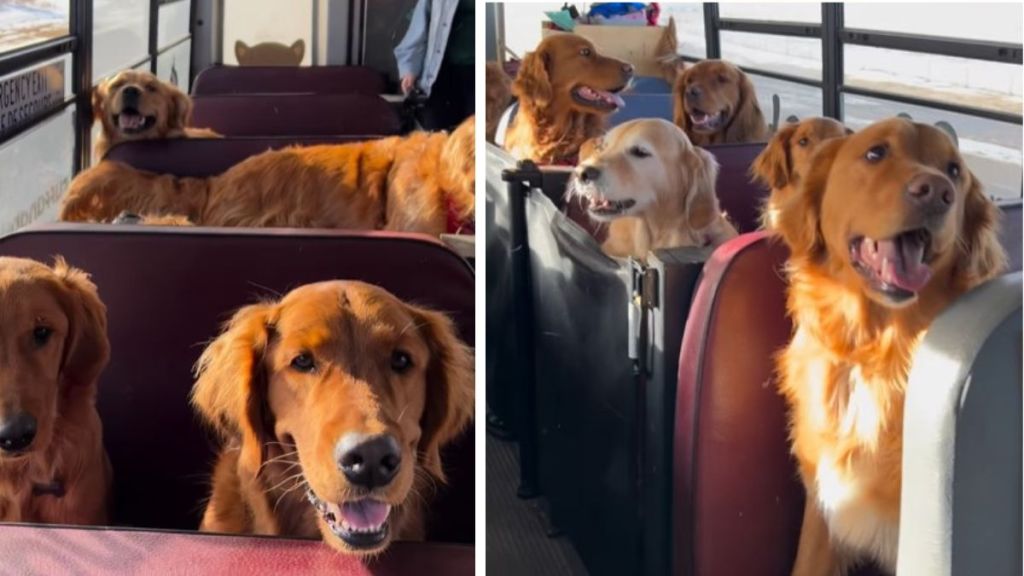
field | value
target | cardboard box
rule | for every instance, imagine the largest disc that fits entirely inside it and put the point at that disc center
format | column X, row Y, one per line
column 637, row 45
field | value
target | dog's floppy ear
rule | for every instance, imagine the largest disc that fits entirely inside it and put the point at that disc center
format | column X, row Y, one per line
column 798, row 216
column 449, row 406
column 701, row 200
column 679, row 116
column 181, row 108
column 983, row 254
column 748, row 119
column 231, row 383
column 86, row 349
column 99, row 95
column 773, row 167
column 532, row 83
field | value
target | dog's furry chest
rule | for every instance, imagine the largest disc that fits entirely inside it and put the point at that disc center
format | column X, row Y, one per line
column 847, row 430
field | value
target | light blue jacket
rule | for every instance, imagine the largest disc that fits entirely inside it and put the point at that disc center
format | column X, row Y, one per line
column 421, row 50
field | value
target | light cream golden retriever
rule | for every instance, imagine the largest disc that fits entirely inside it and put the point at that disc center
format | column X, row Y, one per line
column 135, row 105
column 655, row 188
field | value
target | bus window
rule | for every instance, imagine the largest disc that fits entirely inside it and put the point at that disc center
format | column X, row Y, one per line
column 174, row 43
column 24, row 22
column 120, row 35
column 689, row 19
column 35, row 168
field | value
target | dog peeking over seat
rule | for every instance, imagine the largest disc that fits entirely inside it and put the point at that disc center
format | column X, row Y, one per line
column 333, row 404
column 715, row 103
column 53, row 345
column 787, row 159
column 565, row 90
column 134, row 105
column 655, row 188
column 887, row 229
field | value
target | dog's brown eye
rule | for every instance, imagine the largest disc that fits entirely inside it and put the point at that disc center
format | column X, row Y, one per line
column 803, row 142
column 875, row 153
column 400, row 361
column 953, row 170
column 150, row 88
column 41, row 335
column 639, row 152
column 585, row 52
column 304, row 362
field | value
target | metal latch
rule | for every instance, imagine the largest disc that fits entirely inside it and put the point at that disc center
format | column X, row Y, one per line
column 643, row 298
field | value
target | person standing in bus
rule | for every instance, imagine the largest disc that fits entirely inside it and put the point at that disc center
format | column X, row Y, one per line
column 436, row 58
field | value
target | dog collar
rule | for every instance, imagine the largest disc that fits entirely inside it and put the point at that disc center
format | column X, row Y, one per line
column 456, row 224
column 55, row 488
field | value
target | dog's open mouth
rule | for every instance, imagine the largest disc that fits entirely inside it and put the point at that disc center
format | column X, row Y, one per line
column 604, row 208
column 131, row 121
column 704, row 122
column 601, row 99
column 362, row 524
column 895, row 267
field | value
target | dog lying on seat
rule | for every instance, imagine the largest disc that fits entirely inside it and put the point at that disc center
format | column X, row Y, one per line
column 134, row 105
column 654, row 188
column 53, row 346
column 417, row 183
column 333, row 404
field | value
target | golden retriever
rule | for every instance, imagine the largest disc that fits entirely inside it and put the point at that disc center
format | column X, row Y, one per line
column 419, row 183
column 134, row 105
column 715, row 102
column 888, row 228
column 270, row 53
column 53, row 345
column 655, row 188
column 787, row 158
column 565, row 90
column 498, row 96
column 333, row 405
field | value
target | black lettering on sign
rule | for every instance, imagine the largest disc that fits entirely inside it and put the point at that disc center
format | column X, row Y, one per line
column 30, row 94
column 51, row 196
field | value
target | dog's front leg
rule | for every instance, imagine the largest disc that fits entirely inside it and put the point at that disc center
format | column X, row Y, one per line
column 815, row 555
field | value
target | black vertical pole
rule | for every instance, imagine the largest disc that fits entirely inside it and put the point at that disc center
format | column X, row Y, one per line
column 711, row 36
column 832, row 59
column 154, row 17
column 81, row 81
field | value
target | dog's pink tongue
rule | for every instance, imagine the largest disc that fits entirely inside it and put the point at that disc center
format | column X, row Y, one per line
column 365, row 513
column 902, row 263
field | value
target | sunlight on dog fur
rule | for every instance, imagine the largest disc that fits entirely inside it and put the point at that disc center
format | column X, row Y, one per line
column 886, row 228
column 653, row 187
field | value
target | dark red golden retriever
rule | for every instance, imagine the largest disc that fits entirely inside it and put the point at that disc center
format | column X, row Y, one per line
column 715, row 103
column 53, row 346
column 565, row 90
column 333, row 405
column 887, row 229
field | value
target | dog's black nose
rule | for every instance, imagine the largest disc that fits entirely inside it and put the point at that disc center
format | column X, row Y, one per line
column 693, row 92
column 130, row 95
column 589, row 174
column 17, row 432
column 627, row 68
column 931, row 191
column 368, row 461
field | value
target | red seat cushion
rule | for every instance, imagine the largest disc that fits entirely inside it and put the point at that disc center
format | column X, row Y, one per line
column 737, row 502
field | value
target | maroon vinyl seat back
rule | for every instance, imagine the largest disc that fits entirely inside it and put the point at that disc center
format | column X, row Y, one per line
column 167, row 293
column 296, row 114
column 285, row 79
column 740, row 198
column 737, row 502
column 202, row 157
